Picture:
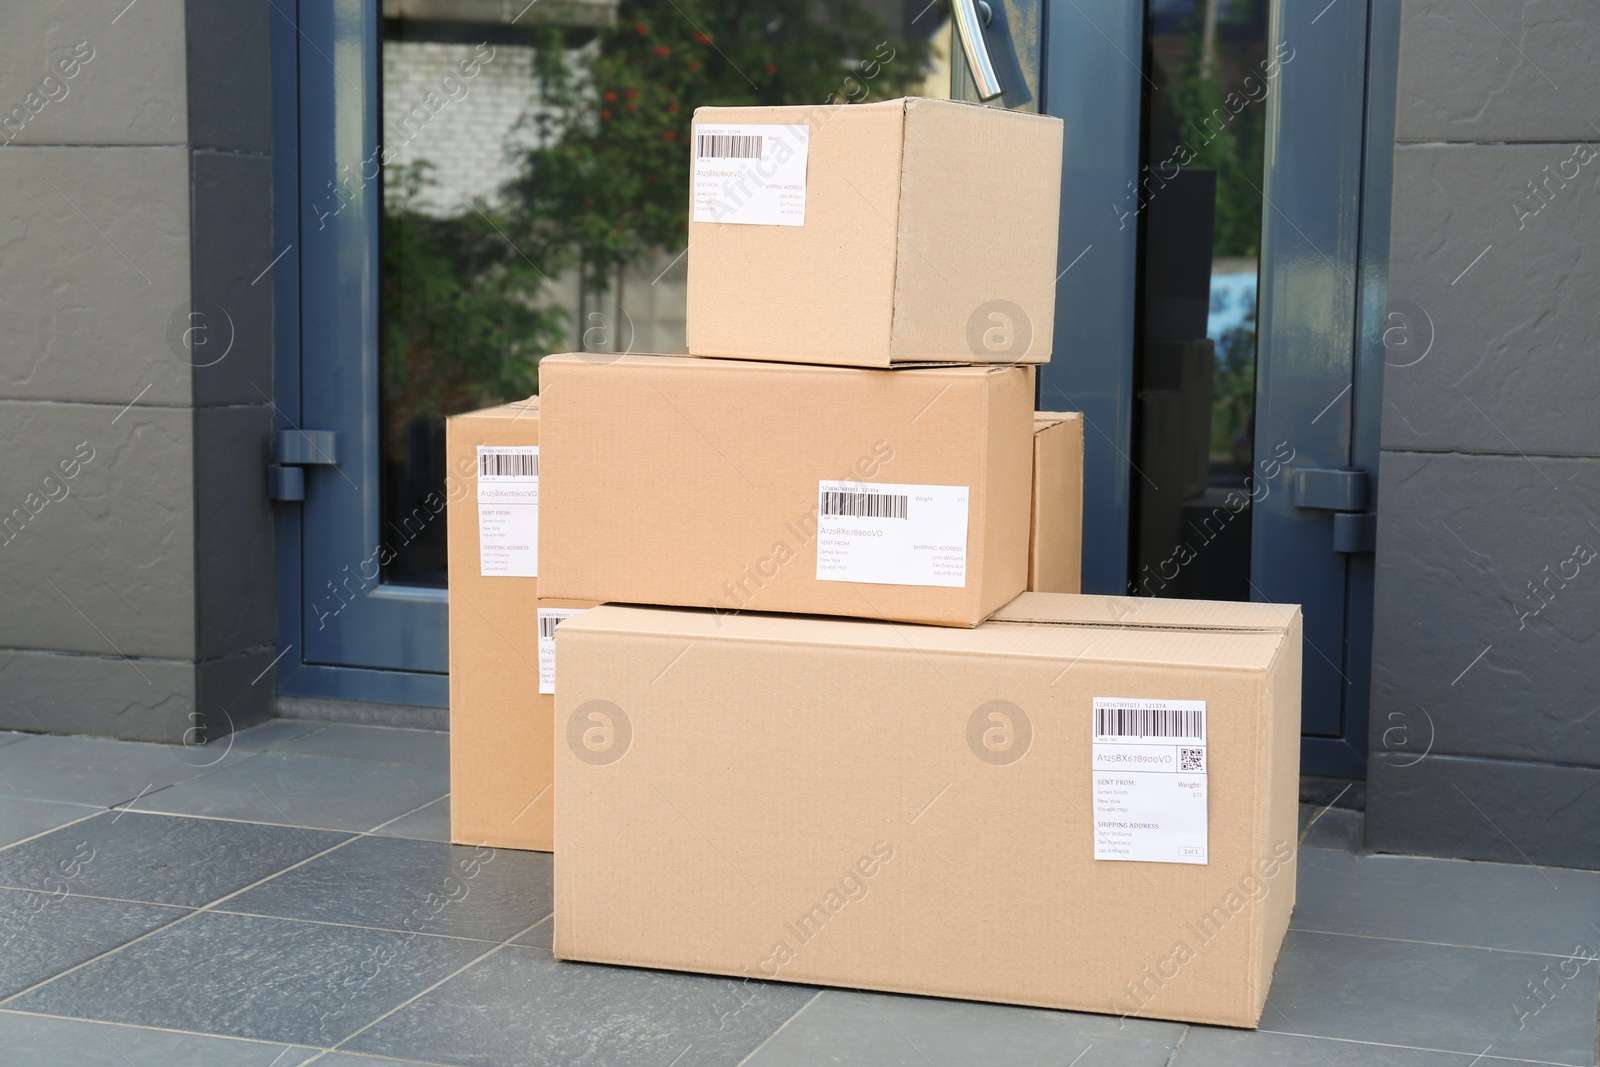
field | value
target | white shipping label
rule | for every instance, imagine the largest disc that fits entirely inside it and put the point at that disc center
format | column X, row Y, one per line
column 508, row 511
column 892, row 534
column 753, row 174
column 1149, row 771
column 549, row 619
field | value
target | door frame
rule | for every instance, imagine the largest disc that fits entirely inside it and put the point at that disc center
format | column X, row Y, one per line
column 1093, row 78
column 388, row 643
column 1091, row 73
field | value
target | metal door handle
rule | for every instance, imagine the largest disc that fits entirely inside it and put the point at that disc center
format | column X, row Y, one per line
column 969, row 27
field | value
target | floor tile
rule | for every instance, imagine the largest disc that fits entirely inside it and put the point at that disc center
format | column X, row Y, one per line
column 1338, row 828
column 42, row 934
column 1456, row 902
column 22, row 819
column 376, row 744
column 1205, row 1046
column 540, row 936
column 1431, row 996
column 46, row 1041
column 854, row 1029
column 93, row 770
column 8, row 736
column 305, row 791
column 431, row 823
column 160, row 859
column 350, row 1059
column 519, row 1007
column 273, row 733
column 264, row 979
column 412, row 886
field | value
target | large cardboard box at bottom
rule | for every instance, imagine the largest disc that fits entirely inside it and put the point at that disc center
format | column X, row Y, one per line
column 502, row 720
column 921, row 809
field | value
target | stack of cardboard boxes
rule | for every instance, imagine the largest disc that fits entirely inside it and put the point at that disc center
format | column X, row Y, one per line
column 820, row 730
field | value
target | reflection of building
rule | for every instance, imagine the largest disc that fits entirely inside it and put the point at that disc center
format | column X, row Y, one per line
column 461, row 124
column 459, row 91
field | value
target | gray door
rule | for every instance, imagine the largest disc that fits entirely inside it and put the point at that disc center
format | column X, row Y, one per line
column 1220, row 310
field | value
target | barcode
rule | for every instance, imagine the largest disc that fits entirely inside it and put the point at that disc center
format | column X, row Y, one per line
column 729, row 146
column 1149, row 722
column 547, row 626
column 865, row 505
column 508, row 465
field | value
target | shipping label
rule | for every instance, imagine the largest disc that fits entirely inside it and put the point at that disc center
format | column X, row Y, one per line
column 754, row 174
column 549, row 619
column 892, row 534
column 508, row 511
column 1149, row 773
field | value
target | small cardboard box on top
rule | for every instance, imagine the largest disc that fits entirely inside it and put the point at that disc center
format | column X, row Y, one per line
column 1087, row 802
column 910, row 230
column 502, row 649
column 1055, row 541
column 890, row 494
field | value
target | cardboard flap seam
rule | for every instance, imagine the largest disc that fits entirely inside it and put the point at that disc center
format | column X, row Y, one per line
column 899, row 238
column 1218, row 628
column 576, row 628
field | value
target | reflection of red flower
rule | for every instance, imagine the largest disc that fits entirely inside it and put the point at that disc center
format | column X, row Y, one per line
column 655, row 178
column 632, row 94
column 702, row 38
column 640, row 28
column 672, row 105
column 661, row 50
column 611, row 98
column 772, row 68
column 606, row 114
column 694, row 64
column 587, row 202
column 669, row 136
column 633, row 107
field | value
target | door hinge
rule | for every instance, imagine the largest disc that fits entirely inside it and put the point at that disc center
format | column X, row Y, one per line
column 292, row 452
column 1346, row 493
column 1356, row 532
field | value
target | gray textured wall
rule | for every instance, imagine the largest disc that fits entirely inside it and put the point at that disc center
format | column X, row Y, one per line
column 135, row 537
column 1485, row 728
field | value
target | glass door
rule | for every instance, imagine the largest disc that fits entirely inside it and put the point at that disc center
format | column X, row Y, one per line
column 473, row 186
column 1220, row 310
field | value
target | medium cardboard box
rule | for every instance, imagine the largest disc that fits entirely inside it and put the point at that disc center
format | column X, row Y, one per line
column 889, row 494
column 909, row 230
column 1055, row 539
column 501, row 650
column 915, row 809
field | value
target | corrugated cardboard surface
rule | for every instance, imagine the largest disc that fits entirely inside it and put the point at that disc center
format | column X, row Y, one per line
column 980, row 205
column 501, row 728
column 1055, row 543
column 681, row 481
column 798, row 799
column 920, row 214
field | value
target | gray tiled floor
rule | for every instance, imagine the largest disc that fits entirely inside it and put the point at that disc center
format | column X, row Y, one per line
column 288, row 897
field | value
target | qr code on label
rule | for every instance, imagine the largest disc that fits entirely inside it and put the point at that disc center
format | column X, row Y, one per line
column 1191, row 759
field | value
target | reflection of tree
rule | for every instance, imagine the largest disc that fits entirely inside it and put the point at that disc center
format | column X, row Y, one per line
column 1210, row 107
column 463, row 325
column 1234, row 386
column 609, row 179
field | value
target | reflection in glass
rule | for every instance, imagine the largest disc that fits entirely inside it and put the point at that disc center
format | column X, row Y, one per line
column 535, row 187
column 1211, row 74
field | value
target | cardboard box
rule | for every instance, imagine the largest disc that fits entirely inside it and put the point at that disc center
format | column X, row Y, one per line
column 1055, row 538
column 911, row 809
column 705, row 483
column 501, row 724
column 909, row 230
